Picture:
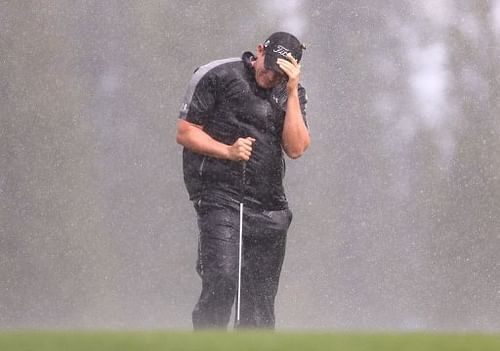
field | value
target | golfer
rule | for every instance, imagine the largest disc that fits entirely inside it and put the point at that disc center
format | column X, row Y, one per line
column 236, row 119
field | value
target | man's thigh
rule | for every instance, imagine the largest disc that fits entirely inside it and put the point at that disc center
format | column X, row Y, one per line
column 218, row 240
column 264, row 244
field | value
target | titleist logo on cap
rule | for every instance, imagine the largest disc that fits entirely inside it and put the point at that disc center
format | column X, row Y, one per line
column 280, row 49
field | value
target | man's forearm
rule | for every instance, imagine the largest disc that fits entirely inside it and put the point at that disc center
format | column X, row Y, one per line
column 295, row 134
column 195, row 139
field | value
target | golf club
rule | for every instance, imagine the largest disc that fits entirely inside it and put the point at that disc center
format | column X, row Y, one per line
column 240, row 248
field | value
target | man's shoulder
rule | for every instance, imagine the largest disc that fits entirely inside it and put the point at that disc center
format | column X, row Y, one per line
column 212, row 73
column 217, row 66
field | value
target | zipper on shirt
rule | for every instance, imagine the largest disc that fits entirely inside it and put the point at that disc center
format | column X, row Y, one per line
column 200, row 170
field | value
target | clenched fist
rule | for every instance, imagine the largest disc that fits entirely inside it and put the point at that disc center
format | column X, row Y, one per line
column 241, row 150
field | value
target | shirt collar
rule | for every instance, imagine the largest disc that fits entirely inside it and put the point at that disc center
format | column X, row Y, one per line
column 247, row 58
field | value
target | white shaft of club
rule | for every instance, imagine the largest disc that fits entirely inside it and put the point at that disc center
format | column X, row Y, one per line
column 239, row 263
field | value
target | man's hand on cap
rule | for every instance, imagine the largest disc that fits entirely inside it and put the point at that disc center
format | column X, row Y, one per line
column 292, row 69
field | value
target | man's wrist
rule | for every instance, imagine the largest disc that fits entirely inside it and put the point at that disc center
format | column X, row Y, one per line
column 293, row 92
column 226, row 152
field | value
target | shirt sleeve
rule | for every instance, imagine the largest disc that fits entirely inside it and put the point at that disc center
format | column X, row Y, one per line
column 280, row 98
column 199, row 100
column 303, row 103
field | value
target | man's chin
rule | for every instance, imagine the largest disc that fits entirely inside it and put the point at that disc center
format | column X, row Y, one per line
column 266, row 85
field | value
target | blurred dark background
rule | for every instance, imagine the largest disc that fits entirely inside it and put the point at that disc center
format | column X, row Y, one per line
column 396, row 204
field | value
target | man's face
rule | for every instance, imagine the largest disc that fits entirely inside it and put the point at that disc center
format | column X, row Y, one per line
column 266, row 78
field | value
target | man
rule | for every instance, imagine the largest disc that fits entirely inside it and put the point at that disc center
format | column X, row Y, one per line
column 237, row 117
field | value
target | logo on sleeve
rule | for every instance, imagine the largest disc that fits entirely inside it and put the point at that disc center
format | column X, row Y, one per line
column 184, row 108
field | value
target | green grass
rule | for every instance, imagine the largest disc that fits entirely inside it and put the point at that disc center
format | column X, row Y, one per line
column 243, row 341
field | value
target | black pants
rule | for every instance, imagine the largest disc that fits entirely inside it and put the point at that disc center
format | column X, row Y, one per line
column 264, row 239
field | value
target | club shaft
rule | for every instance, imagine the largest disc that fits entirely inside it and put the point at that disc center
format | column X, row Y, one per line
column 240, row 249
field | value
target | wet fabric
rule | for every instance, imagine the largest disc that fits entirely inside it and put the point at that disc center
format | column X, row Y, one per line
column 264, row 241
column 225, row 99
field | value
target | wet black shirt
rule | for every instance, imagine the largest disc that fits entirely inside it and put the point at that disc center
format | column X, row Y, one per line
column 224, row 97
